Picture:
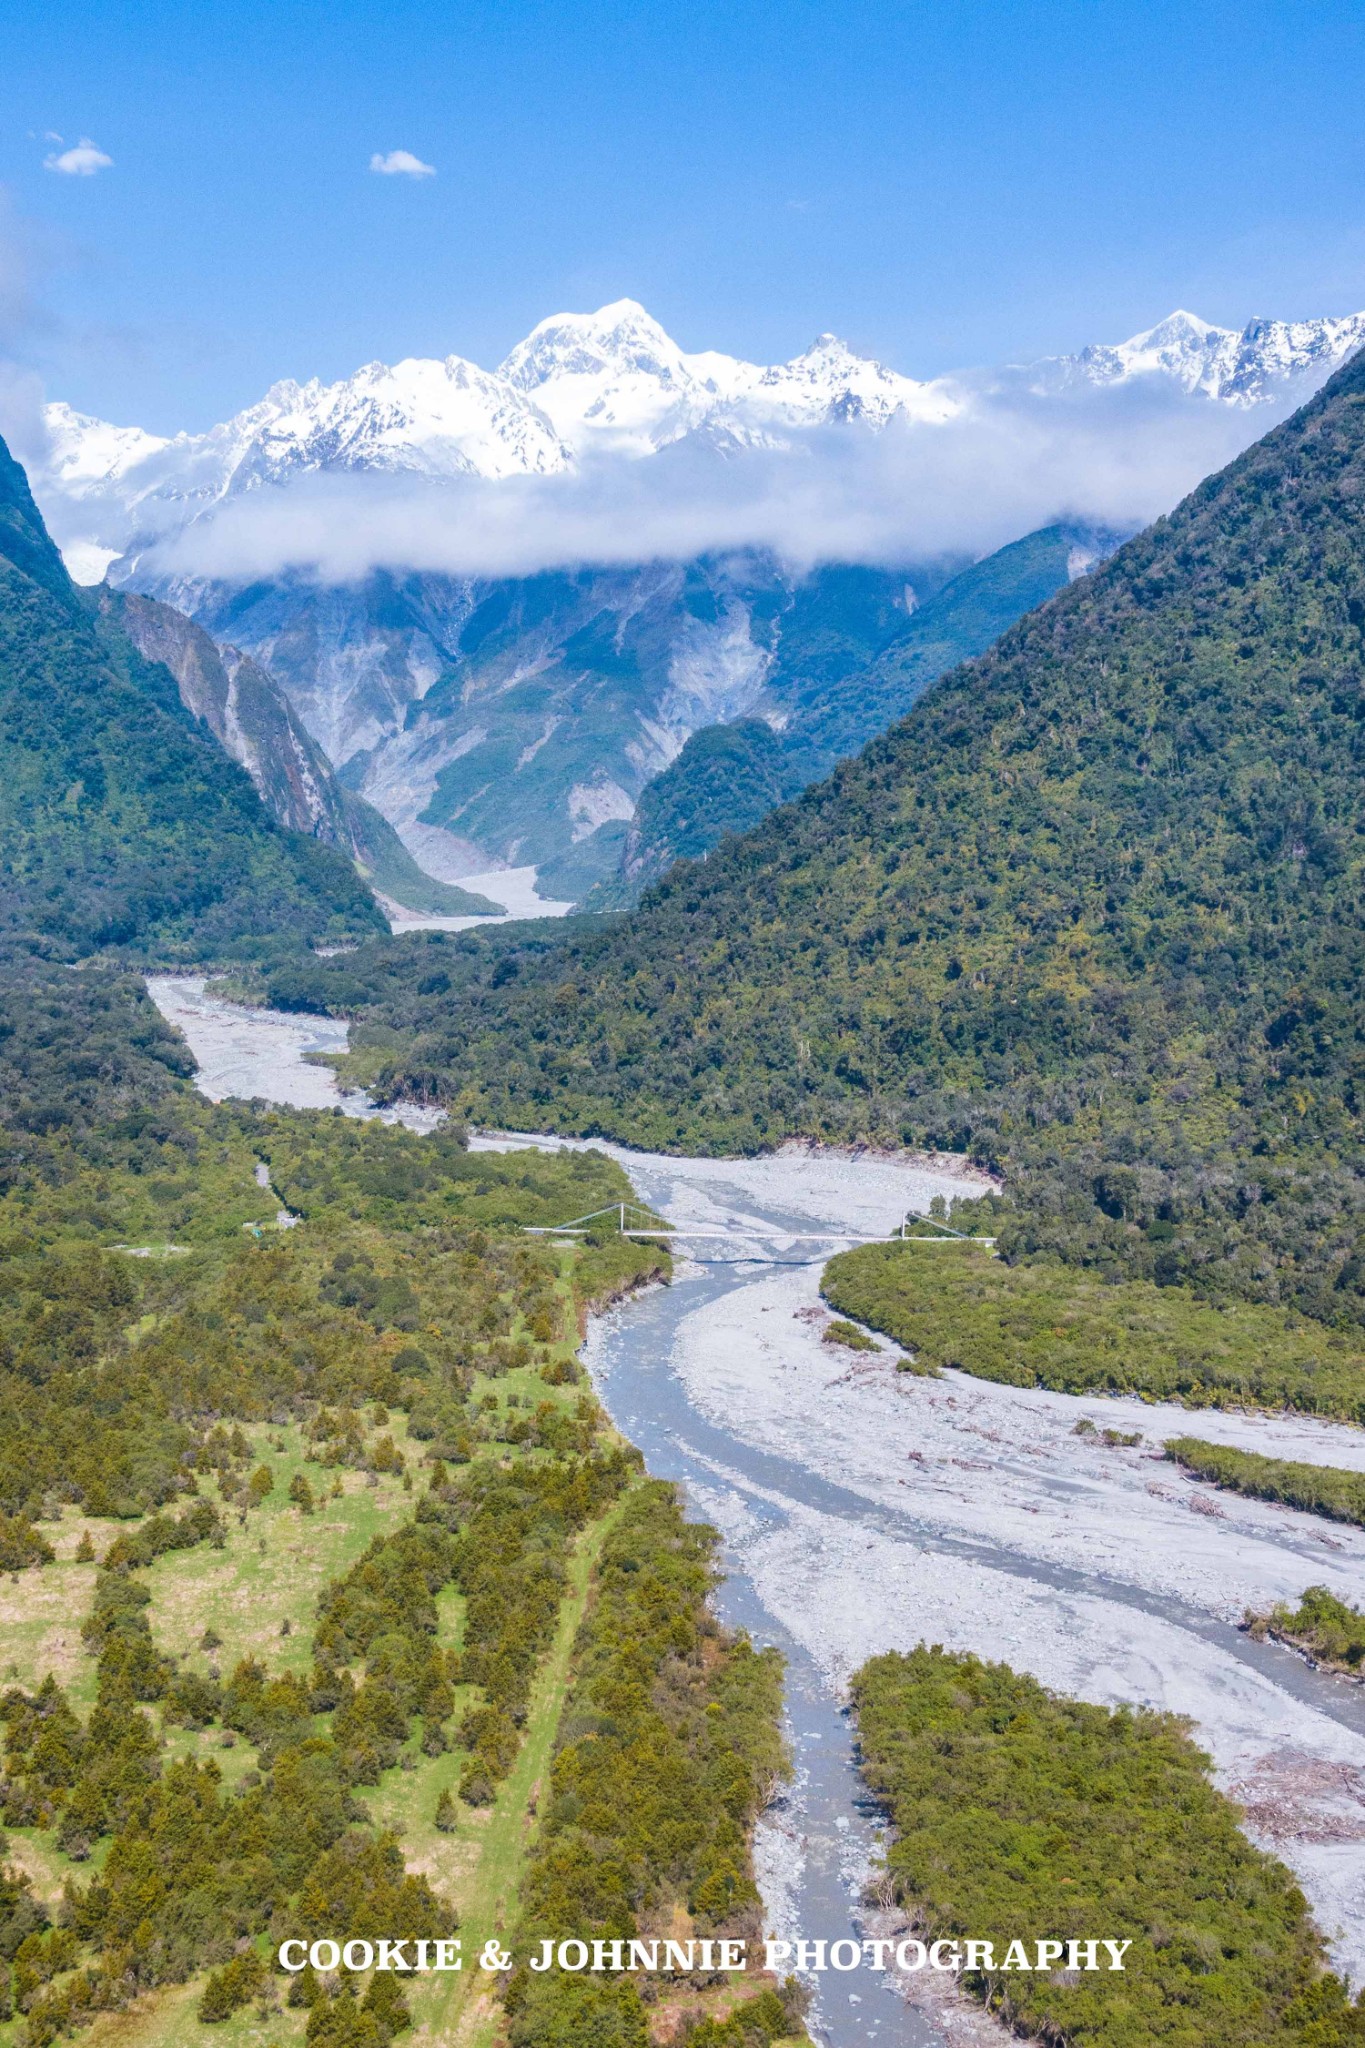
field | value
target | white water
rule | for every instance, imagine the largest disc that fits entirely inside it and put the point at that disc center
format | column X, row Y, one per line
column 866, row 1510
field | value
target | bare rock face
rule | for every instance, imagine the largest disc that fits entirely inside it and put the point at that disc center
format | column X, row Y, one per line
column 247, row 713
column 252, row 719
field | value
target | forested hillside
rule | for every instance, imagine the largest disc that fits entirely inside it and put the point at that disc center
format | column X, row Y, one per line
column 121, row 823
column 1091, row 912
column 839, row 687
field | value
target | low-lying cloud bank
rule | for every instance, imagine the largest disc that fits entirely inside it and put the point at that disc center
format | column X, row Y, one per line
column 1009, row 463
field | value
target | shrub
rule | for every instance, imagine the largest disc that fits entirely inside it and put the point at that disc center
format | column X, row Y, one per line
column 1328, row 1490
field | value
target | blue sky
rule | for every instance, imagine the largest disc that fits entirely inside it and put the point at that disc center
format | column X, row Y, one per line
column 942, row 184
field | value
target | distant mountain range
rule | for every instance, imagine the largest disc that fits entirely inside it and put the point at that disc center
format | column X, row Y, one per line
column 517, row 720
column 1237, row 366
column 607, row 383
column 610, row 383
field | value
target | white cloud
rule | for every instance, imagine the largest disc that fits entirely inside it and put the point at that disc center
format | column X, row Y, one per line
column 82, row 160
column 1006, row 465
column 21, row 414
column 401, row 163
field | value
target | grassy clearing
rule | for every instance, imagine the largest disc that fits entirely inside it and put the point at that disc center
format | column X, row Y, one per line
column 41, row 1612
column 495, row 1844
column 276, row 1561
column 1049, row 1325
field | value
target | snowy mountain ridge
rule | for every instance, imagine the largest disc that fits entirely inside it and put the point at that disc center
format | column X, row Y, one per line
column 609, row 385
column 1238, row 366
column 611, row 381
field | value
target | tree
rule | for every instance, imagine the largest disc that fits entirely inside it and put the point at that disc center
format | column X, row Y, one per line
column 386, row 2001
column 339, row 2022
column 304, row 1989
column 231, row 1987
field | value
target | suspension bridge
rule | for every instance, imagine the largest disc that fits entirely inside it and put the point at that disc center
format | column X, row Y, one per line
column 913, row 1229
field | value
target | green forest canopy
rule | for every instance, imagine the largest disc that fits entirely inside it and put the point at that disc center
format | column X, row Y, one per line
column 1096, row 1819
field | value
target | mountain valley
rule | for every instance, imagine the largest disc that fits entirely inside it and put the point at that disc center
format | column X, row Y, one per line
column 378, row 1615
column 517, row 721
column 1089, row 912
column 682, row 1027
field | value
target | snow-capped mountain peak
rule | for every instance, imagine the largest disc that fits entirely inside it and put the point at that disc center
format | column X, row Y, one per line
column 439, row 418
column 1240, row 366
column 85, row 451
column 1177, row 329
column 619, row 339
column 828, row 383
column 615, row 379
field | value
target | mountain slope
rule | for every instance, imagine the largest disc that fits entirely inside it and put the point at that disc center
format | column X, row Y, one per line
column 120, row 823
column 846, row 663
column 955, row 624
column 1093, row 910
column 248, row 716
column 253, row 721
column 725, row 780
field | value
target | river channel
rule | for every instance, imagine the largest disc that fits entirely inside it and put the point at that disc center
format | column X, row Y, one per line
column 864, row 1509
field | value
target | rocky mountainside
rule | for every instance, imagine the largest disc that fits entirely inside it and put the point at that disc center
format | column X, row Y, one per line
column 543, row 707
column 253, row 721
column 250, row 718
column 517, row 721
column 122, row 822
